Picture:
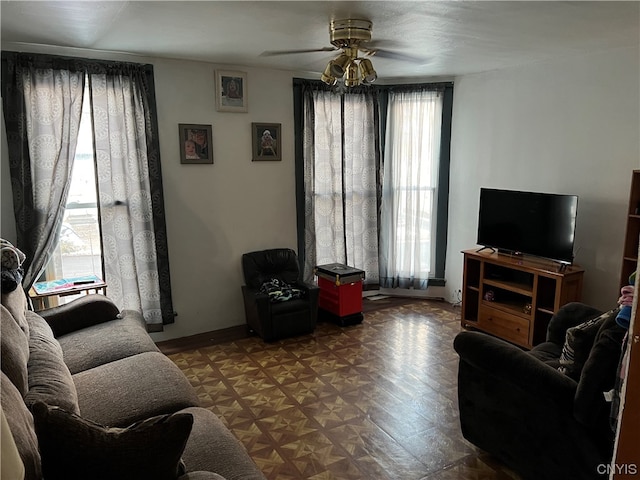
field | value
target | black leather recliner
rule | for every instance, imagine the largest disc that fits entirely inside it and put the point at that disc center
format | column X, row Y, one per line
column 274, row 320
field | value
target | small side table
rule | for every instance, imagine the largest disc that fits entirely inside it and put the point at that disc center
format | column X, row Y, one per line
column 340, row 298
column 64, row 291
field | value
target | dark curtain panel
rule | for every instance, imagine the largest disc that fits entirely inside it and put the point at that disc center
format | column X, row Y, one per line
column 299, row 86
column 443, row 186
column 19, row 159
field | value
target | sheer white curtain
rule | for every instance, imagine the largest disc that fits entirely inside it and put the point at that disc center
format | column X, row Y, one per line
column 126, row 215
column 340, row 170
column 409, row 188
column 53, row 103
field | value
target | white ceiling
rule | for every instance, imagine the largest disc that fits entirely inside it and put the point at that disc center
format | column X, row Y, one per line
column 449, row 37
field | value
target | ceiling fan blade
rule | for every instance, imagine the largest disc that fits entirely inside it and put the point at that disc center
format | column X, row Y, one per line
column 271, row 53
column 382, row 43
column 403, row 57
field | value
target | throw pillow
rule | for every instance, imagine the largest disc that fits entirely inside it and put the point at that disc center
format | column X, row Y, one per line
column 578, row 343
column 73, row 448
column 14, row 351
column 49, row 378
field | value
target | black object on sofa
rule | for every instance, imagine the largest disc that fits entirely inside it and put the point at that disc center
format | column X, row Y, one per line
column 269, row 318
column 518, row 406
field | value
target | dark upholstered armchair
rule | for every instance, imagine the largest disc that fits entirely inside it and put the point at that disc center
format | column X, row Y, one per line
column 269, row 318
column 518, row 406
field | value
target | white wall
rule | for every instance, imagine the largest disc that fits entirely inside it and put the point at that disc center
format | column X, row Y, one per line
column 215, row 213
column 568, row 126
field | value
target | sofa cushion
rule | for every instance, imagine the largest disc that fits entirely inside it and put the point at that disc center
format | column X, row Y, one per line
column 49, row 378
column 16, row 303
column 22, row 429
column 200, row 475
column 547, row 352
column 106, row 342
column 74, row 448
column 212, row 447
column 14, row 351
column 130, row 389
column 578, row 343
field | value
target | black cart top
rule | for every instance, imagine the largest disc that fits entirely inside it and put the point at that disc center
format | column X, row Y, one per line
column 341, row 273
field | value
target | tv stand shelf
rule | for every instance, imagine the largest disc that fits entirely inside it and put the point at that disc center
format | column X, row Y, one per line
column 513, row 296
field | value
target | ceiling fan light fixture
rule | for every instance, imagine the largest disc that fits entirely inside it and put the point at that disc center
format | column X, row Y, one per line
column 369, row 75
column 352, row 79
column 327, row 77
column 340, row 65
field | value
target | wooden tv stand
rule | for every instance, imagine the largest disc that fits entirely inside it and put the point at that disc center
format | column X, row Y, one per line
column 514, row 297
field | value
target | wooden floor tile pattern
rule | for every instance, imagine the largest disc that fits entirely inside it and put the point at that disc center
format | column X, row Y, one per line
column 370, row 401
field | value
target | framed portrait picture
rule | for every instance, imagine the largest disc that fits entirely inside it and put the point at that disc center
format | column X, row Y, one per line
column 195, row 143
column 266, row 141
column 231, row 91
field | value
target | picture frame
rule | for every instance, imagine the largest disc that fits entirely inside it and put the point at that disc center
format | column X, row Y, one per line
column 232, row 91
column 266, row 142
column 196, row 143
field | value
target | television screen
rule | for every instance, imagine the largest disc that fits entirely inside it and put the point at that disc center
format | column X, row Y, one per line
column 539, row 224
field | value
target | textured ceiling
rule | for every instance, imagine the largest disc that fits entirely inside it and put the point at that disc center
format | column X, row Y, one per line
column 446, row 38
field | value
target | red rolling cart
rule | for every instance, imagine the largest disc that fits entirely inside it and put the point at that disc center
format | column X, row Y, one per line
column 340, row 298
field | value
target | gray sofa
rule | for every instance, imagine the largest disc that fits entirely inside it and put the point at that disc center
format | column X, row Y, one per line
column 87, row 394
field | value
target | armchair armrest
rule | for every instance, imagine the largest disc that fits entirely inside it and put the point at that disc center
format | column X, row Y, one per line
column 496, row 358
column 82, row 312
column 256, row 304
column 312, row 290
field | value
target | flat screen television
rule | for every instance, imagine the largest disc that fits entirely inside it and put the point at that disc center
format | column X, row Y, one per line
column 530, row 223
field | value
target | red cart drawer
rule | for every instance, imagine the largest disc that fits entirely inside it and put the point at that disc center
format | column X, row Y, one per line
column 341, row 300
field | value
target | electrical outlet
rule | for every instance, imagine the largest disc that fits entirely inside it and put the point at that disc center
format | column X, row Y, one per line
column 457, row 297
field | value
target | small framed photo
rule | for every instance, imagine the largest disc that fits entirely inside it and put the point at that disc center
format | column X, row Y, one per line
column 231, row 91
column 266, row 141
column 195, row 143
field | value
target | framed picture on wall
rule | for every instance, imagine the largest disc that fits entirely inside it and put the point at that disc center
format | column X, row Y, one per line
column 231, row 91
column 196, row 143
column 266, row 141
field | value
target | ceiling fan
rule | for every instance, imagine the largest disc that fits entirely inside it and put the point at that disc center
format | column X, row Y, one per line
column 352, row 64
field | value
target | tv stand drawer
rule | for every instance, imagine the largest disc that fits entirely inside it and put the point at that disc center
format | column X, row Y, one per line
column 504, row 325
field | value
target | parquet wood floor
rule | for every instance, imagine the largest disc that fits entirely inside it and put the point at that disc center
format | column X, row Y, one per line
column 370, row 401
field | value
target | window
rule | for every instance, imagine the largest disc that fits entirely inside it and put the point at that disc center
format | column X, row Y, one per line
column 46, row 92
column 78, row 251
column 401, row 207
column 409, row 189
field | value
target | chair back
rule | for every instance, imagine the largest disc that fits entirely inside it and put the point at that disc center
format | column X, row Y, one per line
column 261, row 266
